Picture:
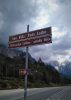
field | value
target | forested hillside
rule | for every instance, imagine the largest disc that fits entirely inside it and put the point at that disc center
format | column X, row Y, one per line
column 39, row 73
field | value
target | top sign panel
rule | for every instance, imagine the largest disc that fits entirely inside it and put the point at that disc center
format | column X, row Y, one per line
column 29, row 38
column 32, row 34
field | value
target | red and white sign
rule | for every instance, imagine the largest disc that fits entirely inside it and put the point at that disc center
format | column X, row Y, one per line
column 22, row 72
column 40, row 36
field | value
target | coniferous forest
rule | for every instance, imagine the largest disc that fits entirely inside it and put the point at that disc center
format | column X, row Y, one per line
column 39, row 73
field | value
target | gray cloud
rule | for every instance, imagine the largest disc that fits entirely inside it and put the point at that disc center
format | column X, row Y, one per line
column 63, row 44
column 15, row 12
column 49, row 52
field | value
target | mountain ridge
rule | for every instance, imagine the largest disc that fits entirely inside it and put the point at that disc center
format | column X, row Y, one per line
column 16, row 53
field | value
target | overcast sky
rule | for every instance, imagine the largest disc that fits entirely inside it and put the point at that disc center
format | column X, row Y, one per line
column 15, row 15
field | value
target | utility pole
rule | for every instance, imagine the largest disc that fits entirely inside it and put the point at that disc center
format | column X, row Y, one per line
column 26, row 68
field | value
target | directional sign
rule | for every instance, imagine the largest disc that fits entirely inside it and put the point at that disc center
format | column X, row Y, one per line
column 40, row 36
column 22, row 72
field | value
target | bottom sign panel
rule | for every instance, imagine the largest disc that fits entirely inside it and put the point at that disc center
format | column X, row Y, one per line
column 31, row 42
column 22, row 72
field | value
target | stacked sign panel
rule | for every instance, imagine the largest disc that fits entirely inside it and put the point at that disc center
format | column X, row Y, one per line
column 40, row 36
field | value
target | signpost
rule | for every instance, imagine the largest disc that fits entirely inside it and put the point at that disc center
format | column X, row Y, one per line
column 26, row 68
column 40, row 36
column 27, row 39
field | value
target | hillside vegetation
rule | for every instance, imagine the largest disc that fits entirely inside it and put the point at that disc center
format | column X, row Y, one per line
column 39, row 74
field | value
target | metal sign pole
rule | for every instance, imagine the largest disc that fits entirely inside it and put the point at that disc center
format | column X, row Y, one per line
column 26, row 68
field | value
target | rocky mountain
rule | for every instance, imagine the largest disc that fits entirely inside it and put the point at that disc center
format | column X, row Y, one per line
column 10, row 52
column 65, row 69
column 13, row 52
column 12, row 59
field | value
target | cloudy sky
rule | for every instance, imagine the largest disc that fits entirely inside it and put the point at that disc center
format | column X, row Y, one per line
column 15, row 15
